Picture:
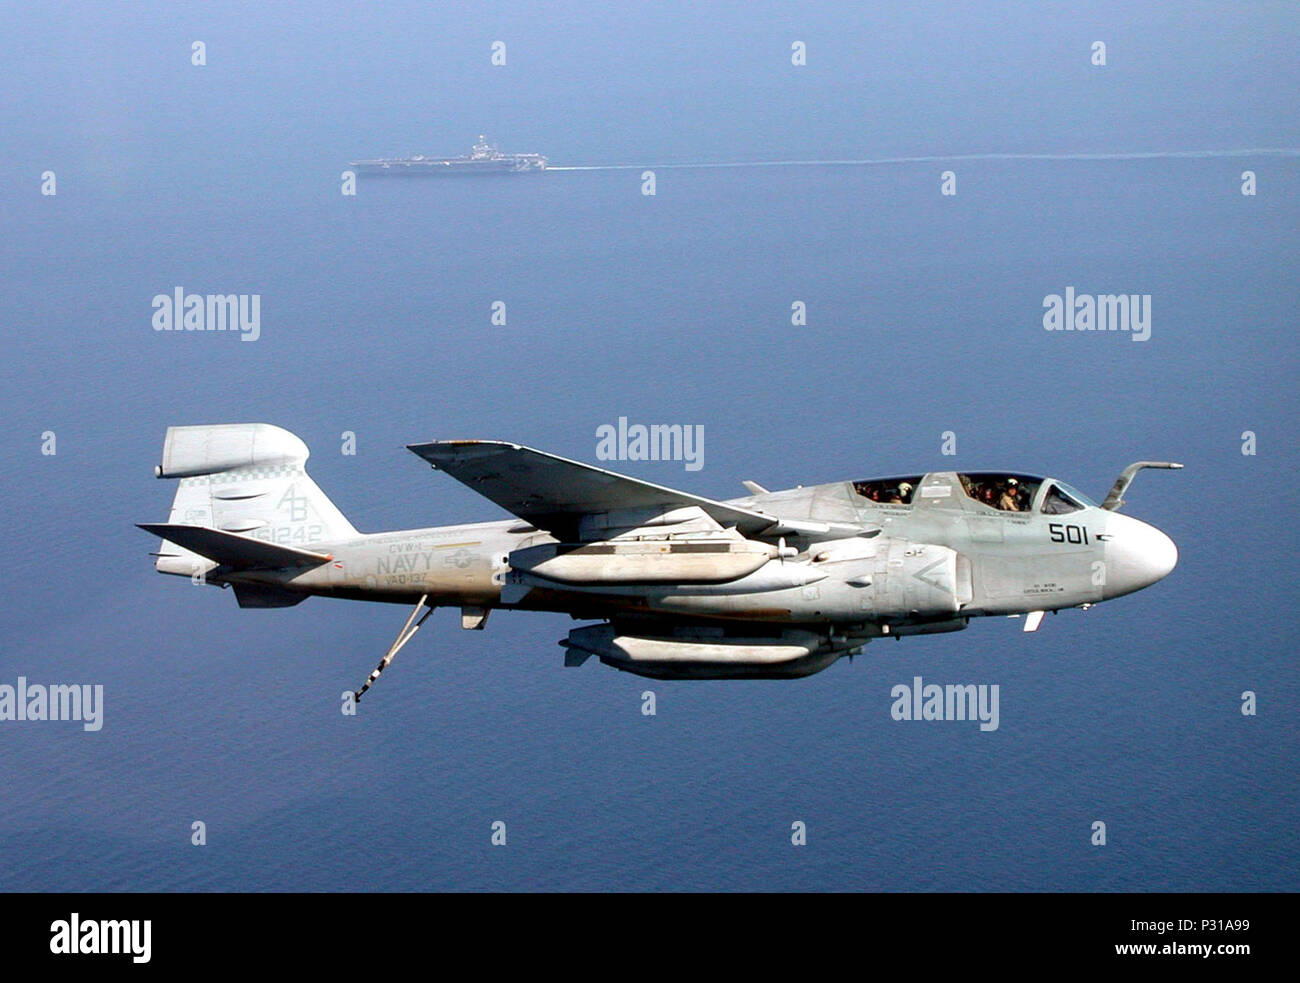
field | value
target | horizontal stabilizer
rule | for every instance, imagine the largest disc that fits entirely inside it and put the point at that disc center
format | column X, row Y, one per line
column 235, row 551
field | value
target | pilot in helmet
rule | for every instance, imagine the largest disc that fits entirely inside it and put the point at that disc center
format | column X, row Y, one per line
column 1009, row 502
column 904, row 490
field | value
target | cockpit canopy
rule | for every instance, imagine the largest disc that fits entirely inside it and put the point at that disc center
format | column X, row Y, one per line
column 1004, row 491
column 1000, row 490
column 1062, row 499
column 889, row 491
column 1018, row 492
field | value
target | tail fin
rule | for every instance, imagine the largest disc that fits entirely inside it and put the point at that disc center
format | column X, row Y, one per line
column 247, row 479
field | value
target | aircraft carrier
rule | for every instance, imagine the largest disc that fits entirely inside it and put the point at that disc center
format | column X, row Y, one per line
column 484, row 158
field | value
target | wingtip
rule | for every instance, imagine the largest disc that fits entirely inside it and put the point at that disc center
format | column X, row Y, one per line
column 428, row 448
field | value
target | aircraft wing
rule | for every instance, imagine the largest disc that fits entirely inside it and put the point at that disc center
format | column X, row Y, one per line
column 554, row 493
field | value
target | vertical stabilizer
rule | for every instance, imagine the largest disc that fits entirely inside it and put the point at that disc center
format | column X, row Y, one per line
column 249, row 479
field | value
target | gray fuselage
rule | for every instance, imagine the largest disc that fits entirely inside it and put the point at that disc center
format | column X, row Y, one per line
column 923, row 566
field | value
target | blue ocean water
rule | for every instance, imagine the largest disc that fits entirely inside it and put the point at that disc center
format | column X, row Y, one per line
column 924, row 316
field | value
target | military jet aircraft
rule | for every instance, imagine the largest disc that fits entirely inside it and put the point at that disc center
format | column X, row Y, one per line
column 771, row 585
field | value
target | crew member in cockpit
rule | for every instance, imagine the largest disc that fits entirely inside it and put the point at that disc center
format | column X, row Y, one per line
column 1010, row 500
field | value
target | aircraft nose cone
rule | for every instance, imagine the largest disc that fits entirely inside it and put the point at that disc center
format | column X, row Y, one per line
column 1137, row 556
